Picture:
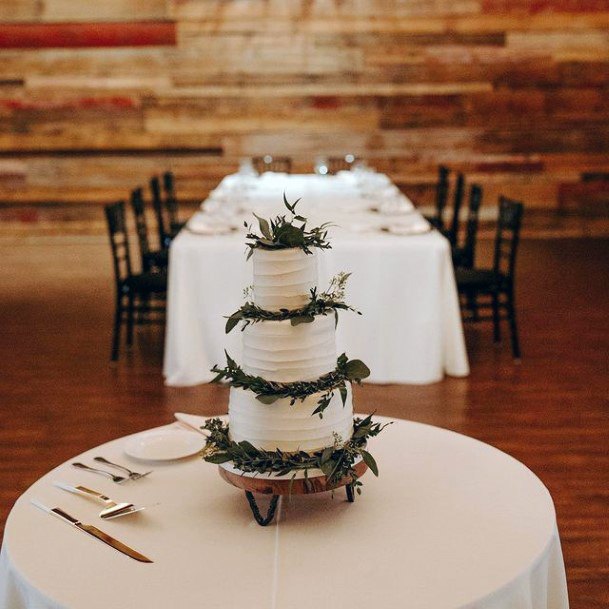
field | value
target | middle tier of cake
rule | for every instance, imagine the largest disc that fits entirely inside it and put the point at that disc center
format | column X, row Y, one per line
column 289, row 427
column 279, row 351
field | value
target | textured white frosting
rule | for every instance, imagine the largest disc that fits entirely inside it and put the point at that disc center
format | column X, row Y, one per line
column 278, row 351
column 283, row 278
column 288, row 428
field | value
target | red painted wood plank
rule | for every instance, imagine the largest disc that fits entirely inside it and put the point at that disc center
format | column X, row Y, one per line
column 72, row 35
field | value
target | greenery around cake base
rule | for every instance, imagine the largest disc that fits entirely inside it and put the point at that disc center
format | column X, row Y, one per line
column 269, row 392
column 336, row 462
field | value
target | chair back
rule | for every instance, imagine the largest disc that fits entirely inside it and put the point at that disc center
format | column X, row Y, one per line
column 171, row 201
column 141, row 227
column 508, row 236
column 441, row 194
column 340, row 163
column 272, row 163
column 453, row 233
column 468, row 253
column 160, row 213
column 119, row 241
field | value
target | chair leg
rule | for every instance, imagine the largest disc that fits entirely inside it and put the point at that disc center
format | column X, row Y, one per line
column 511, row 311
column 496, row 319
column 130, row 320
column 116, row 333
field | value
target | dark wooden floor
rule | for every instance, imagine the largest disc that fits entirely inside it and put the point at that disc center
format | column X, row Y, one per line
column 59, row 395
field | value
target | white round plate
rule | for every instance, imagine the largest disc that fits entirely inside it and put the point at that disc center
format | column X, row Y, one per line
column 164, row 445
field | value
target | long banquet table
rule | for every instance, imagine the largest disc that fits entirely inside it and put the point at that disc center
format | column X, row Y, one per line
column 402, row 279
column 449, row 523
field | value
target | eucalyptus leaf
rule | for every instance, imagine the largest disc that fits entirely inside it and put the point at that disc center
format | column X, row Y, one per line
column 218, row 458
column 303, row 319
column 267, row 399
column 285, row 202
column 326, row 454
column 229, row 360
column 231, row 322
column 370, row 462
column 218, row 377
column 248, row 447
column 265, row 229
column 355, row 369
column 328, row 467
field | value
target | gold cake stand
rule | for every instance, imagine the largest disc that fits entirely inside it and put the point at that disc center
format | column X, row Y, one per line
column 277, row 487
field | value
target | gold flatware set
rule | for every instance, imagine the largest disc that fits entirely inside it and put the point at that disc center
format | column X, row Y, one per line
column 112, row 509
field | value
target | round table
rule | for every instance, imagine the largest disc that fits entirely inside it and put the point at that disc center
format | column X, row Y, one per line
column 450, row 522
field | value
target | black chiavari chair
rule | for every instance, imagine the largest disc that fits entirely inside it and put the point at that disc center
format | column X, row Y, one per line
column 137, row 294
column 437, row 220
column 160, row 212
column 452, row 233
column 463, row 256
column 151, row 260
column 171, row 204
column 498, row 283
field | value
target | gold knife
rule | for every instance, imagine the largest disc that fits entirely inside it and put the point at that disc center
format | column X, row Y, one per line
column 91, row 530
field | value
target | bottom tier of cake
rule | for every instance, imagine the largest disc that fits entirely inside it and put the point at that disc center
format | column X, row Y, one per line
column 288, row 427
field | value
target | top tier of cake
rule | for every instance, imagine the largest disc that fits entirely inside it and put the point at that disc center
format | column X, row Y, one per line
column 283, row 279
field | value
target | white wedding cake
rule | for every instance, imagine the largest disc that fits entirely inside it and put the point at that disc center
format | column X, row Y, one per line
column 290, row 425
column 281, row 352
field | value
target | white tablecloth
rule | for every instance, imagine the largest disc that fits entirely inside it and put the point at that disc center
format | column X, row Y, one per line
column 404, row 286
column 451, row 522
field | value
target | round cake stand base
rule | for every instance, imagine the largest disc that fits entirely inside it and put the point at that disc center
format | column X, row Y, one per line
column 282, row 487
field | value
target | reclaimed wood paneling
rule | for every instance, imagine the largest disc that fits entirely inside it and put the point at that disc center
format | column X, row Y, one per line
column 513, row 93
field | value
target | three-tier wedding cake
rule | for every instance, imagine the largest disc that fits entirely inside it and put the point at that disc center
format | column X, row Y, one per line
column 290, row 406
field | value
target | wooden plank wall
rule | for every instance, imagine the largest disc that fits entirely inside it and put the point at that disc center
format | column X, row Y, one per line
column 95, row 97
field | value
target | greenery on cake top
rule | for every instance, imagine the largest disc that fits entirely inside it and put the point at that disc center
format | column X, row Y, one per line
column 336, row 462
column 319, row 304
column 269, row 392
column 282, row 232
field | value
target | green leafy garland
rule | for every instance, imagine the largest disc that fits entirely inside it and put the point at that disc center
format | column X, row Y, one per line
column 336, row 462
column 269, row 392
column 280, row 233
column 329, row 301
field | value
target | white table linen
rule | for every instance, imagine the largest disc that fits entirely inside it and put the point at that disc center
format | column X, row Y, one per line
column 404, row 285
column 451, row 522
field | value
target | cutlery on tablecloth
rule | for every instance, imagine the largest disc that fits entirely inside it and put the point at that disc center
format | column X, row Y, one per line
column 113, row 509
column 101, row 472
column 93, row 531
column 132, row 475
